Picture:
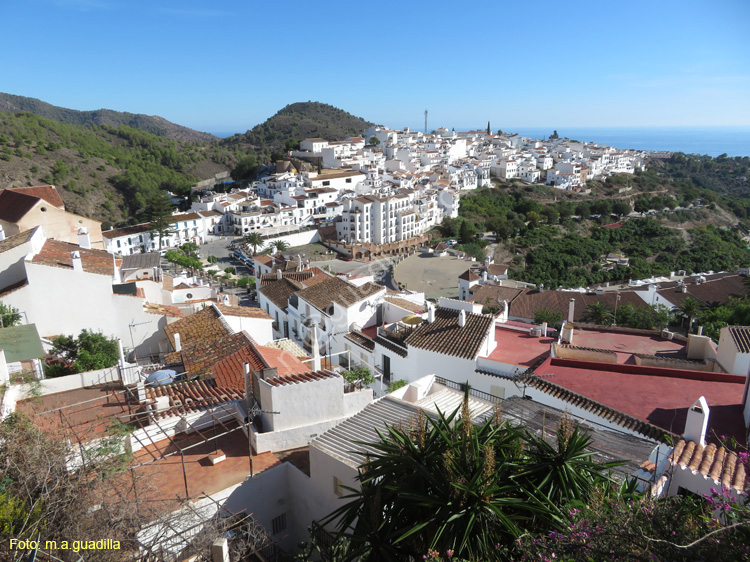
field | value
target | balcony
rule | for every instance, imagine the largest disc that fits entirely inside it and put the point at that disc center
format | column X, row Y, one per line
column 396, row 333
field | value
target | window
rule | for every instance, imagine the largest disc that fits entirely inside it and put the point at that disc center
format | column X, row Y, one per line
column 278, row 524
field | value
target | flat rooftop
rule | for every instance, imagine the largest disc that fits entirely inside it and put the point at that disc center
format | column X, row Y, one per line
column 662, row 399
column 87, row 412
column 203, row 478
column 519, row 348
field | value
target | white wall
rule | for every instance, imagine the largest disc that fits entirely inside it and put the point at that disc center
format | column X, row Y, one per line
column 730, row 358
column 72, row 382
column 295, row 239
column 63, row 301
column 259, row 328
column 287, row 439
column 12, row 268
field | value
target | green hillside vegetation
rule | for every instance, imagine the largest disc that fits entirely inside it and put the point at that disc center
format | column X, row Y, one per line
column 103, row 172
column 294, row 123
column 560, row 244
column 149, row 123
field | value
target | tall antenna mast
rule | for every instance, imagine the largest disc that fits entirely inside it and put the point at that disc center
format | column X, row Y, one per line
column 425, row 121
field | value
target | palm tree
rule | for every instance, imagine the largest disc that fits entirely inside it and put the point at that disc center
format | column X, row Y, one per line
column 598, row 313
column 280, row 245
column 255, row 240
column 690, row 308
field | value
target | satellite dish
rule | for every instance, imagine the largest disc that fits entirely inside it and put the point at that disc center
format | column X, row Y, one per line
column 165, row 376
column 412, row 320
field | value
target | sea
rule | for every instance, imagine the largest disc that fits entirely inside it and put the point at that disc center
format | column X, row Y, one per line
column 713, row 141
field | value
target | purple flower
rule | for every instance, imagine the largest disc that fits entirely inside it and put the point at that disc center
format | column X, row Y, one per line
column 449, row 553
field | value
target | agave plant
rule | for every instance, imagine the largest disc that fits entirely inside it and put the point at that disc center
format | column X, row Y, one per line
column 448, row 484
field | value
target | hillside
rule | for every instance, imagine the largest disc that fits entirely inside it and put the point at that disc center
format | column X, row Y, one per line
column 296, row 122
column 104, row 172
column 149, row 123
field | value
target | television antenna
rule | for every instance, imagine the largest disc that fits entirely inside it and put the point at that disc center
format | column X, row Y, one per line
column 425, row 121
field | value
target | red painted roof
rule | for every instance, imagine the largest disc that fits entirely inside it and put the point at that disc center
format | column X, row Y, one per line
column 662, row 399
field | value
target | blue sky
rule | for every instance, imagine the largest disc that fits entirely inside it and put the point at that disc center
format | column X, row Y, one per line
column 229, row 65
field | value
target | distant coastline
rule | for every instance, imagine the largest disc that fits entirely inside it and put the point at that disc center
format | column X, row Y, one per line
column 713, row 141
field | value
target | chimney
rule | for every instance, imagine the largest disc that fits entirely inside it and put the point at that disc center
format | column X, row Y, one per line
column 84, row 240
column 315, row 349
column 121, row 353
column 462, row 319
column 299, row 262
column 2, row 233
column 278, row 274
column 571, row 310
column 177, row 343
column 484, row 276
column 700, row 330
column 77, row 263
column 697, row 422
column 248, row 387
column 684, row 289
column 430, row 313
column 544, row 329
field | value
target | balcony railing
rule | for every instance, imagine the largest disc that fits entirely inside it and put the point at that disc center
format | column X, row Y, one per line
column 396, row 333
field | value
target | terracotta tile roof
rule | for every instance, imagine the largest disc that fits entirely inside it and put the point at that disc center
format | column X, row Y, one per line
column 57, row 254
column 444, row 335
column 229, row 372
column 361, row 340
column 469, row 275
column 47, row 192
column 200, row 356
column 301, row 377
column 126, row 231
column 497, row 269
column 390, row 346
column 16, row 240
column 164, row 310
column 192, row 396
column 741, row 337
column 441, row 247
column 495, row 294
column 529, row 302
column 333, row 289
column 14, row 206
column 243, row 311
column 265, row 260
column 279, row 291
column 716, row 463
column 407, row 305
column 299, row 276
column 286, row 362
column 714, row 291
column 204, row 325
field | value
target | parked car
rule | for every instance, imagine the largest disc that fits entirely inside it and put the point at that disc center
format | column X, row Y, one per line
column 452, row 242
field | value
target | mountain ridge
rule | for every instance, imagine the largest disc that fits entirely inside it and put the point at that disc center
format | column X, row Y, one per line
column 150, row 123
column 298, row 121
